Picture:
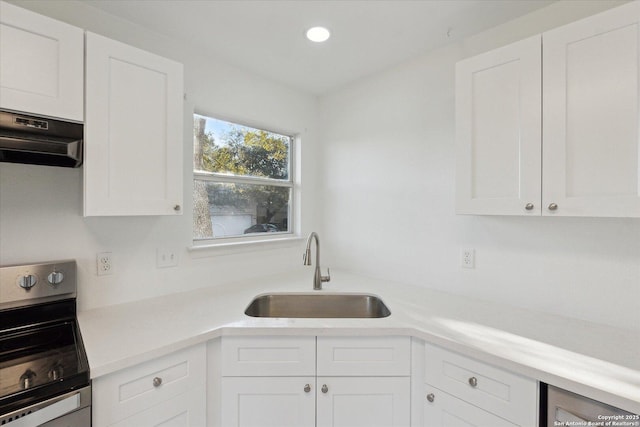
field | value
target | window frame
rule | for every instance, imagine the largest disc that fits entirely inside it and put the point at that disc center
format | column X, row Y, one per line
column 223, row 178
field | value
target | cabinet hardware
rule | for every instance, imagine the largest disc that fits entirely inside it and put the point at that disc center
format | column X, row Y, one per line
column 473, row 382
column 325, row 388
column 529, row 206
column 157, row 381
column 431, row 397
column 553, row 207
column 176, row 208
column 307, row 388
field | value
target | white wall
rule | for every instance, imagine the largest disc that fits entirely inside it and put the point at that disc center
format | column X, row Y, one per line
column 41, row 207
column 385, row 197
column 388, row 164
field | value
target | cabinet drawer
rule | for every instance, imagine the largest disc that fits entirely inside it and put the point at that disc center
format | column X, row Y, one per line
column 259, row 356
column 364, row 356
column 503, row 393
column 130, row 391
column 444, row 410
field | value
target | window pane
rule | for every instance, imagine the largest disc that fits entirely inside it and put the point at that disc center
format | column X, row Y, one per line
column 229, row 148
column 227, row 210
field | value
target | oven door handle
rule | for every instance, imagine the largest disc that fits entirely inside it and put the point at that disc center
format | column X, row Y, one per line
column 48, row 413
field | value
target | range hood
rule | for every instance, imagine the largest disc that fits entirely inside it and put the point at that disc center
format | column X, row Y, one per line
column 25, row 138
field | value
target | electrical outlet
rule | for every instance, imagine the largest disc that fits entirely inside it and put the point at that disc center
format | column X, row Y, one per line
column 467, row 258
column 166, row 257
column 104, row 263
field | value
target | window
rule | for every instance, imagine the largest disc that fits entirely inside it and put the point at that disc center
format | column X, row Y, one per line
column 243, row 184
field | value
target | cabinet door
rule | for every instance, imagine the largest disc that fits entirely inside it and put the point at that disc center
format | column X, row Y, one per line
column 363, row 401
column 41, row 64
column 186, row 410
column 498, row 131
column 444, row 410
column 591, row 164
column 268, row 401
column 133, row 131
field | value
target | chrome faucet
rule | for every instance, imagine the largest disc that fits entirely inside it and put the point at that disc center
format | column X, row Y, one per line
column 318, row 278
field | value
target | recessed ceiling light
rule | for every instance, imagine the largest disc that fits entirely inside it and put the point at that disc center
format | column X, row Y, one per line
column 318, row 34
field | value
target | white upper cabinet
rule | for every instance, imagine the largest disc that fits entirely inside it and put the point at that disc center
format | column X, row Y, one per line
column 591, row 156
column 41, row 64
column 133, row 131
column 553, row 132
column 498, row 116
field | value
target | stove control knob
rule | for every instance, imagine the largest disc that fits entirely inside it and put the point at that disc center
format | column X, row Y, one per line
column 27, row 379
column 55, row 278
column 56, row 372
column 27, row 282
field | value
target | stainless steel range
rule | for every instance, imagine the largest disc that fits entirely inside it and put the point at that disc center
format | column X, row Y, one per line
column 44, row 374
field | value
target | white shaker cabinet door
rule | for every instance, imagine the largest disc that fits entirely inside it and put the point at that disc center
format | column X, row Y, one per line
column 268, row 401
column 41, row 64
column 363, row 402
column 133, row 131
column 591, row 164
column 498, row 131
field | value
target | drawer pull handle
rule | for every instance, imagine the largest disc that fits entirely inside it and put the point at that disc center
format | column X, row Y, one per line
column 325, row 388
column 307, row 388
column 473, row 382
column 157, row 381
column 553, row 207
column 431, row 397
column 529, row 206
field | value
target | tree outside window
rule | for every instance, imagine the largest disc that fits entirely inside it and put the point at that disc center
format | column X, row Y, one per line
column 242, row 180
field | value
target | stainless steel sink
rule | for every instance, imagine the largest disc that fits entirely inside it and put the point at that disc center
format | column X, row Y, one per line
column 320, row 305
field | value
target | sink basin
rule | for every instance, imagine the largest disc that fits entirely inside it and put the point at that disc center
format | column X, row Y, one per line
column 317, row 305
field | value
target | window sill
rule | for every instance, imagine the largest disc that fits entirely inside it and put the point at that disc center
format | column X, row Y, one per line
column 230, row 247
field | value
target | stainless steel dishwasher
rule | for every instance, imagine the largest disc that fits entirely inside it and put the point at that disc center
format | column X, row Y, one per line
column 569, row 409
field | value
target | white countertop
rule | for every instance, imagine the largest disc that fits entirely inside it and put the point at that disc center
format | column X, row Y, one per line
column 598, row 361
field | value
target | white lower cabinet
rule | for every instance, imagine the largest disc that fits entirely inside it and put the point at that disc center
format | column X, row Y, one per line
column 268, row 401
column 442, row 409
column 184, row 410
column 363, row 401
column 454, row 390
column 273, row 381
column 167, row 391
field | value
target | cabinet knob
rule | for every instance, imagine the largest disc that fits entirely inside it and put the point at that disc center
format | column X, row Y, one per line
column 431, row 397
column 325, row 388
column 553, row 207
column 473, row 382
column 528, row 206
column 307, row 388
column 157, row 381
column 177, row 208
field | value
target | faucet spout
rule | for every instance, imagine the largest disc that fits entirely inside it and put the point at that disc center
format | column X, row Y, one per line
column 318, row 278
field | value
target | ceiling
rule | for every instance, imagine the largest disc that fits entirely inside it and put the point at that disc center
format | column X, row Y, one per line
column 266, row 37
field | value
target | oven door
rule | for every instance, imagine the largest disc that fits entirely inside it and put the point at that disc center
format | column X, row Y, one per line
column 69, row 410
